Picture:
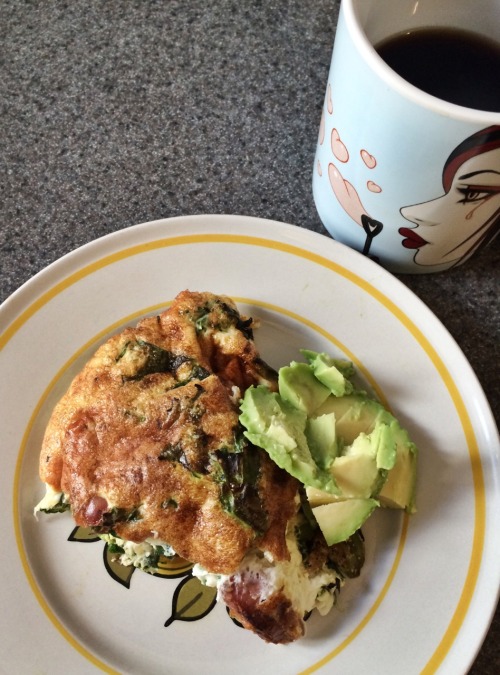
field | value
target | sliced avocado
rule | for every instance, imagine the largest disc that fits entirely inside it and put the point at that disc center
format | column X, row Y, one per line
column 384, row 441
column 342, row 448
column 345, row 367
column 333, row 373
column 361, row 470
column 355, row 414
column 278, row 427
column 380, row 443
column 339, row 520
column 298, row 386
column 357, row 476
column 398, row 491
column 317, row 497
column 265, row 412
column 322, row 439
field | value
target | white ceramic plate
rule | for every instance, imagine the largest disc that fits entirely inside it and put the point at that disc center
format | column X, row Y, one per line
column 427, row 592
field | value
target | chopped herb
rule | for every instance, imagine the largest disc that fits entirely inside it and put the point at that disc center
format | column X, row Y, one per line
column 220, row 316
column 243, row 325
column 114, row 548
column 202, row 321
column 156, row 359
column 199, row 373
column 237, row 472
column 153, row 557
column 175, row 452
column 61, row 506
column 125, row 347
column 306, row 531
column 117, row 516
column 348, row 557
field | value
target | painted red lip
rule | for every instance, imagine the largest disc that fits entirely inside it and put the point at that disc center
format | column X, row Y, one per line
column 412, row 239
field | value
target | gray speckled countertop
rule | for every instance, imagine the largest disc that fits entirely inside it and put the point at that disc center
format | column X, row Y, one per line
column 121, row 112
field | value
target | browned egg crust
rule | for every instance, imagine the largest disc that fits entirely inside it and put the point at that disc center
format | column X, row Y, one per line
column 274, row 619
column 146, row 442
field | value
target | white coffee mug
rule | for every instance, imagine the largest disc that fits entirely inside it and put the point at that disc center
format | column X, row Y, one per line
column 404, row 177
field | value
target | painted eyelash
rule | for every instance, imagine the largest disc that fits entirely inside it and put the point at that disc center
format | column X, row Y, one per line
column 483, row 192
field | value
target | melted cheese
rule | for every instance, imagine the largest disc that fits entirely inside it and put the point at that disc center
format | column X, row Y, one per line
column 140, row 555
column 50, row 500
column 305, row 592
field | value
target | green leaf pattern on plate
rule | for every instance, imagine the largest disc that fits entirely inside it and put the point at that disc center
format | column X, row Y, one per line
column 173, row 568
column 83, row 534
column 191, row 600
column 117, row 571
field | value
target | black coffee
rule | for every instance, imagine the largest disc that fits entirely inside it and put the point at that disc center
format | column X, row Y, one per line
column 456, row 66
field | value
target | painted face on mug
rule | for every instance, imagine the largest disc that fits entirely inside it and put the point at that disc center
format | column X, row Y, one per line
column 449, row 228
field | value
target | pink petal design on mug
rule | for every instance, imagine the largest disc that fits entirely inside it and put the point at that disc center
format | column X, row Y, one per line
column 322, row 128
column 373, row 187
column 368, row 159
column 319, row 169
column 346, row 194
column 338, row 147
column 329, row 104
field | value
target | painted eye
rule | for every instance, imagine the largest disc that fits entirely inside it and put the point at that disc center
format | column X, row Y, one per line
column 472, row 194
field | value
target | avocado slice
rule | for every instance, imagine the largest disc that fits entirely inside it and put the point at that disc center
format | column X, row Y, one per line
column 298, row 385
column 333, row 373
column 322, row 439
column 355, row 413
column 276, row 426
column 317, row 497
column 351, row 454
column 384, row 438
column 398, row 491
column 361, row 470
column 339, row 520
column 357, row 476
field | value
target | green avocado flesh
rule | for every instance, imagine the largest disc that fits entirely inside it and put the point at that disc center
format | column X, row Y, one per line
column 350, row 453
column 332, row 373
column 339, row 520
column 276, row 426
column 299, row 386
